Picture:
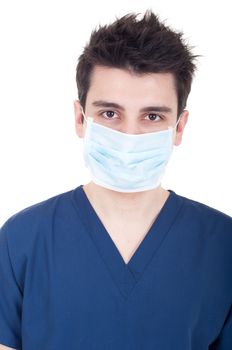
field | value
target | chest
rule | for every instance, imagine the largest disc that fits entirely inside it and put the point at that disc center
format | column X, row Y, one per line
column 127, row 235
column 81, row 294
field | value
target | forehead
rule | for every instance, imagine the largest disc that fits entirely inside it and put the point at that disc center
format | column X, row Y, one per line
column 127, row 87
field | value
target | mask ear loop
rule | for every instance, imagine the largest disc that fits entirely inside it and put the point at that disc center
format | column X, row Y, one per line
column 86, row 119
column 178, row 120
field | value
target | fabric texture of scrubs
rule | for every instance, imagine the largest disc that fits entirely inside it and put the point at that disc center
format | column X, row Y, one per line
column 64, row 284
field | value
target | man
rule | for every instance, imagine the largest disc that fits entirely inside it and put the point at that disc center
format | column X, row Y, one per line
column 120, row 262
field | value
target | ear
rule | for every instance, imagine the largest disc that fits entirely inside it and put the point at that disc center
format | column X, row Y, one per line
column 180, row 128
column 79, row 125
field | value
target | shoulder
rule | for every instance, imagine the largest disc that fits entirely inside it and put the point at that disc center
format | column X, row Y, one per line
column 206, row 219
column 210, row 231
column 43, row 208
column 203, row 211
column 27, row 236
column 22, row 227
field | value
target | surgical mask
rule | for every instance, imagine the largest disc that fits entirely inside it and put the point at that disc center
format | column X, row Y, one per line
column 126, row 162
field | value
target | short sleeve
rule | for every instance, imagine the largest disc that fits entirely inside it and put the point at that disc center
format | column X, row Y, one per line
column 10, row 298
column 224, row 340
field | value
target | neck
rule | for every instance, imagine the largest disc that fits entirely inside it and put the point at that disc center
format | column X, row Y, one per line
column 120, row 204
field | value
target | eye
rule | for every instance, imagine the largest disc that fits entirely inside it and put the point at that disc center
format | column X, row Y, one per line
column 154, row 117
column 108, row 114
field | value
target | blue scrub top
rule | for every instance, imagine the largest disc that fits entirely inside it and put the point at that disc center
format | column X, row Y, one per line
column 64, row 284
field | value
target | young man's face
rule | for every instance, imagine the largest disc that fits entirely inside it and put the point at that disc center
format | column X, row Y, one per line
column 132, row 93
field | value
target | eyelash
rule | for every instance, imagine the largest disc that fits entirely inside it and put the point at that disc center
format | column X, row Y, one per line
column 156, row 114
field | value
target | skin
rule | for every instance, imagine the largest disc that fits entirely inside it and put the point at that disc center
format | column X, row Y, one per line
column 133, row 92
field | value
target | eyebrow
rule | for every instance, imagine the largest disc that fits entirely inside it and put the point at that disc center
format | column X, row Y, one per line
column 101, row 103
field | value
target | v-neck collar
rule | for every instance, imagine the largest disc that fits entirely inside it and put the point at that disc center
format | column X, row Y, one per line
column 126, row 275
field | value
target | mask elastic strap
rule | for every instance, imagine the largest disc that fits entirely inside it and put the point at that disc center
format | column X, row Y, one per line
column 174, row 127
column 86, row 119
column 178, row 120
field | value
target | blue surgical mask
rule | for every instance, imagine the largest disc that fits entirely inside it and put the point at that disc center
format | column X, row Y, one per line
column 126, row 162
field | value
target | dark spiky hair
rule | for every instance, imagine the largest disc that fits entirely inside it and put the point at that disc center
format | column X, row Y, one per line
column 140, row 46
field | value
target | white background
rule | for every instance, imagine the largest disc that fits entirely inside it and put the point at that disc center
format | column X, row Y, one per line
column 41, row 156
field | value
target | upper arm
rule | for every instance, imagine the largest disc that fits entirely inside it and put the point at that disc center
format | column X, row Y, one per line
column 224, row 340
column 10, row 299
column 3, row 347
